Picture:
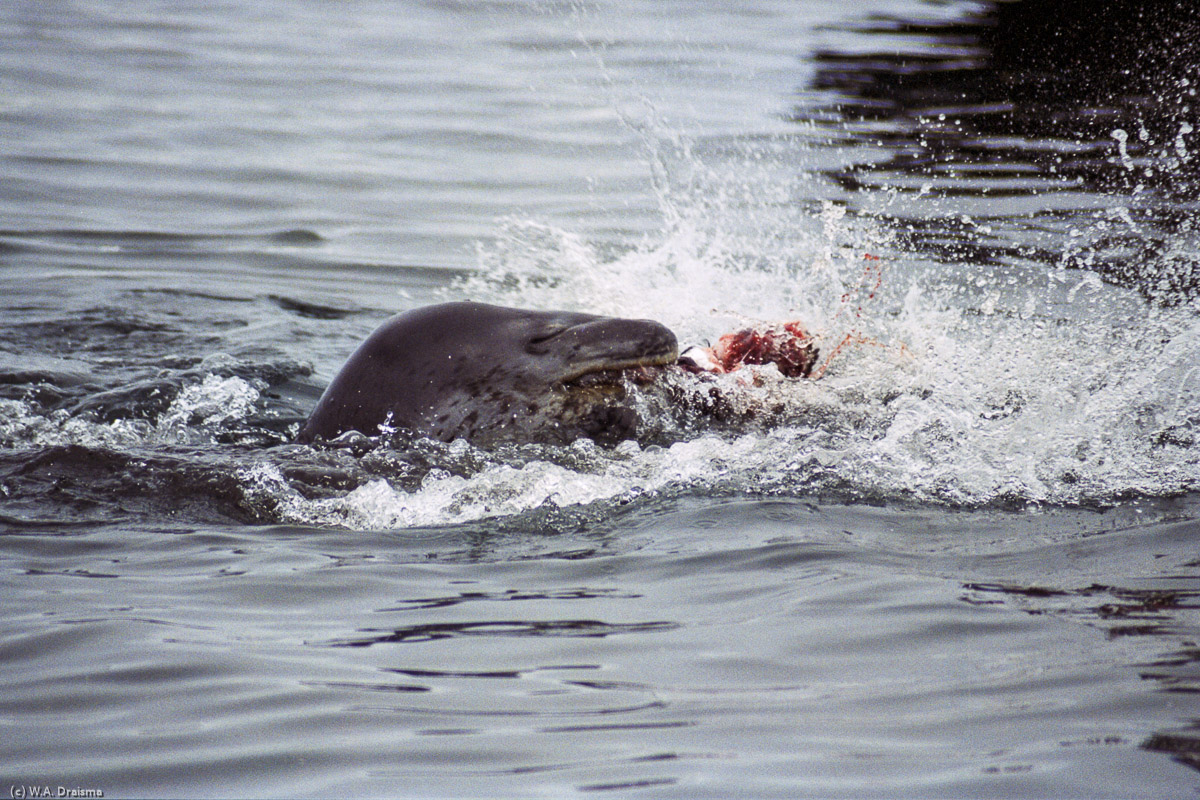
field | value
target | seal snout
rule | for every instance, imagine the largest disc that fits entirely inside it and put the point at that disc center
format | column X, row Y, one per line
column 611, row 344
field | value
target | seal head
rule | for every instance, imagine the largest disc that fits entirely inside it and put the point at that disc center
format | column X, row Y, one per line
column 492, row 374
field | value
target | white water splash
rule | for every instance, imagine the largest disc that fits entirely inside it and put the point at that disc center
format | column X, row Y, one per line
column 214, row 402
column 969, row 419
column 737, row 248
column 500, row 489
column 21, row 425
column 968, row 392
column 191, row 418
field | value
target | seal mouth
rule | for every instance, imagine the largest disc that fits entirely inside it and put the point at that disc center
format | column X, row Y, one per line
column 612, row 374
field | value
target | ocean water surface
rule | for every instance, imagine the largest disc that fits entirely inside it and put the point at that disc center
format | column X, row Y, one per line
column 965, row 562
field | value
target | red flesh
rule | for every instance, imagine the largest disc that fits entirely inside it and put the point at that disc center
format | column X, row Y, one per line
column 787, row 346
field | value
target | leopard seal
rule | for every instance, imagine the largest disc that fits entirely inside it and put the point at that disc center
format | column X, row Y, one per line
column 491, row 374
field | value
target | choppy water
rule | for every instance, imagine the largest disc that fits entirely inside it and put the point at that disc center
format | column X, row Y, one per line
column 963, row 563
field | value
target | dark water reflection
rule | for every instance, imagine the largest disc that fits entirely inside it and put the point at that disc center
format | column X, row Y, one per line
column 1058, row 133
column 1161, row 612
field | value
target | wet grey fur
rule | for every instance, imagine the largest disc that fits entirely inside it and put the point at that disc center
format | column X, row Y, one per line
column 491, row 374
